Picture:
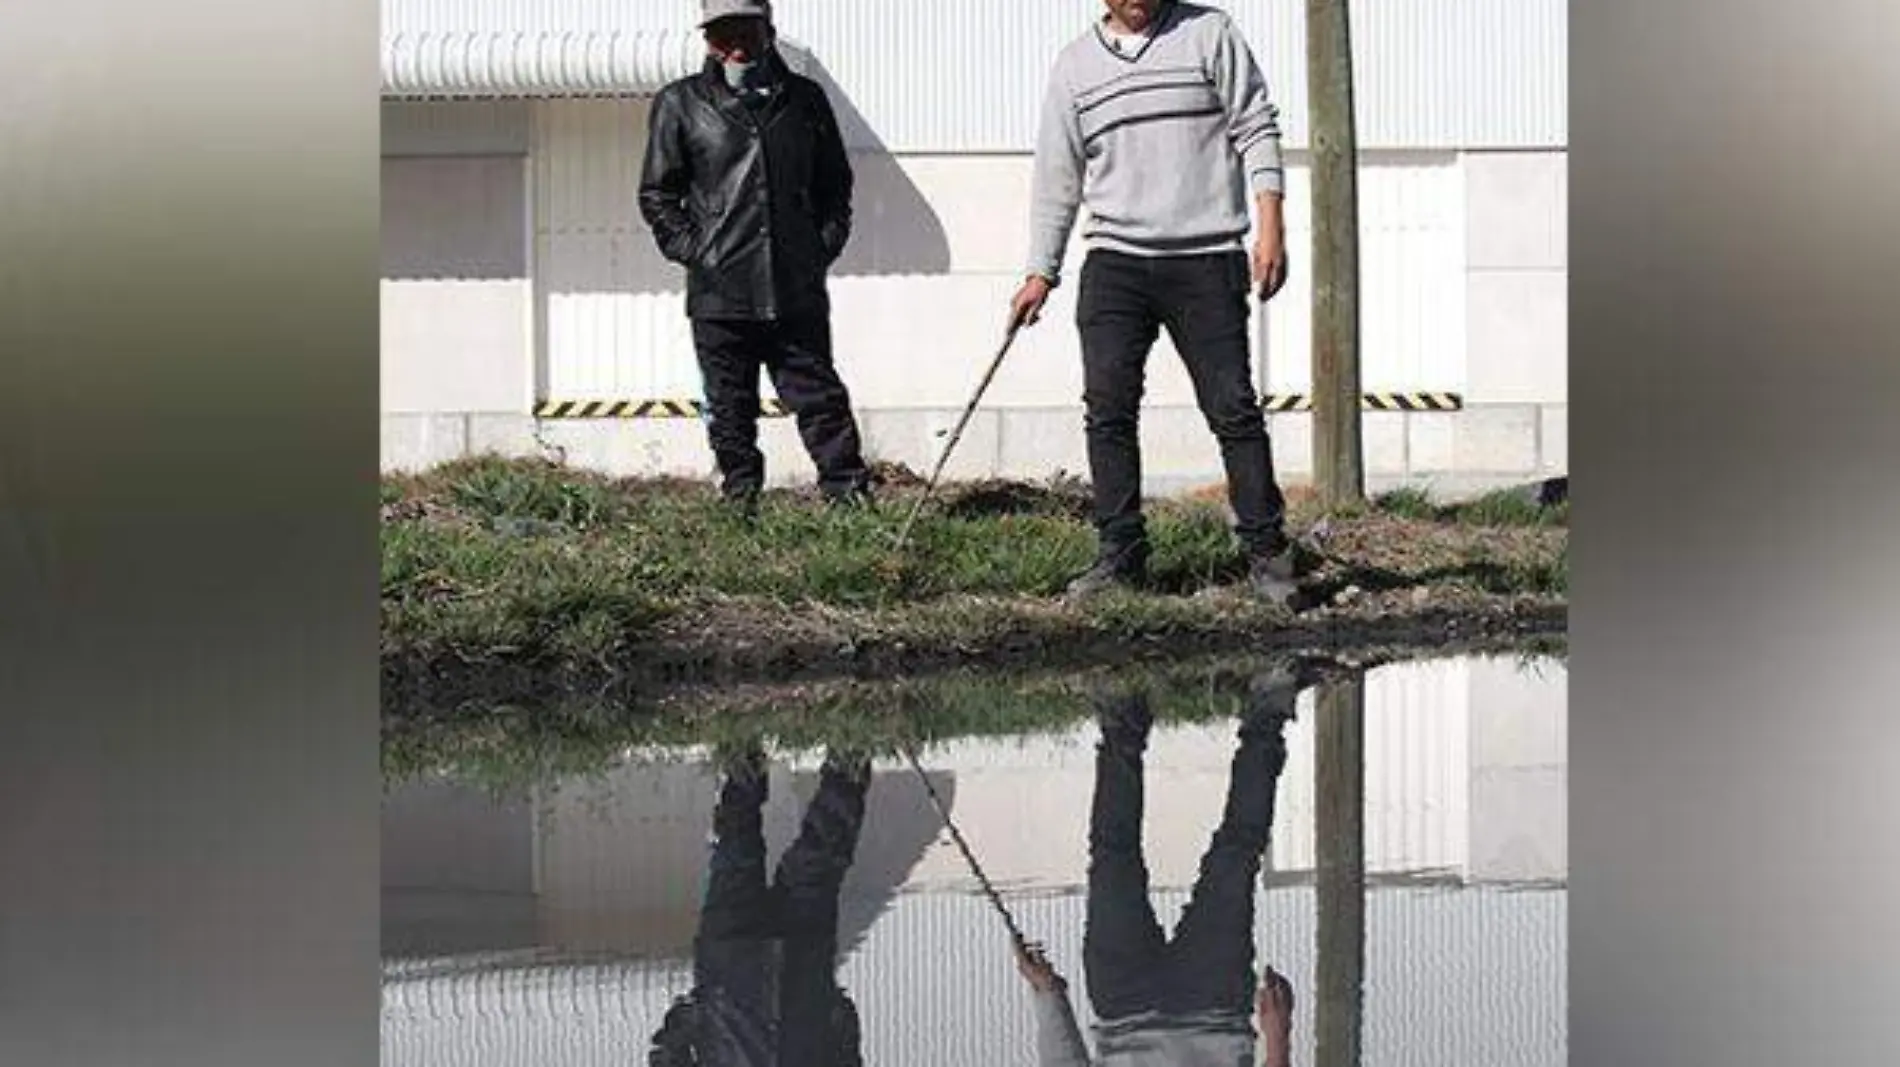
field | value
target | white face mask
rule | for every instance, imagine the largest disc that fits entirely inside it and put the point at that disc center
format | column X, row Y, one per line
column 740, row 75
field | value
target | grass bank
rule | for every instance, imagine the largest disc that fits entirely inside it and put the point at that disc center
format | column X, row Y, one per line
column 512, row 576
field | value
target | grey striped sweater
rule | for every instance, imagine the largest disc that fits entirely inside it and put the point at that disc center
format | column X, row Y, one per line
column 1163, row 145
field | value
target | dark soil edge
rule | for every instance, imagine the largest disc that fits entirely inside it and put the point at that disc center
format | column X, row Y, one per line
column 413, row 685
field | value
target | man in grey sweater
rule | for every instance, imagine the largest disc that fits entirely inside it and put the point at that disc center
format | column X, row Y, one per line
column 1182, row 1002
column 1158, row 120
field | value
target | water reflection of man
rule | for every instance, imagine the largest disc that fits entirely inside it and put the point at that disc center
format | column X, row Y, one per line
column 765, row 989
column 1192, row 1000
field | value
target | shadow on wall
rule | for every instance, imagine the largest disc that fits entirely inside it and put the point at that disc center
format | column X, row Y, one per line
column 455, row 196
column 895, row 231
column 900, row 825
column 458, row 870
column 453, row 218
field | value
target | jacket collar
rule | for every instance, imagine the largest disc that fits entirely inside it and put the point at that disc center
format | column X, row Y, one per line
column 714, row 72
column 712, row 78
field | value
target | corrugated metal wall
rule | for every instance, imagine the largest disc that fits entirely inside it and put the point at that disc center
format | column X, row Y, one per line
column 1473, row 977
column 613, row 318
column 1412, row 278
column 936, row 77
column 613, row 314
column 1417, row 775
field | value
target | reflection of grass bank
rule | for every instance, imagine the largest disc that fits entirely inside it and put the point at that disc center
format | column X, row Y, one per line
column 527, row 567
column 508, row 746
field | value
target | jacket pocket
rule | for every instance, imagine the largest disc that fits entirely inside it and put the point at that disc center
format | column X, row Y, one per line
column 706, row 213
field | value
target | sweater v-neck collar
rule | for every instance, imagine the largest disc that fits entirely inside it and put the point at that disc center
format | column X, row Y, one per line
column 1155, row 30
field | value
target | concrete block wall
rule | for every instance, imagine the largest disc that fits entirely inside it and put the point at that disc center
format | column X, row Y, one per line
column 1518, row 357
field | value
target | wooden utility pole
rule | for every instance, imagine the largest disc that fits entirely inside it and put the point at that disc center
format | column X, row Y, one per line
column 1339, row 761
column 1338, row 466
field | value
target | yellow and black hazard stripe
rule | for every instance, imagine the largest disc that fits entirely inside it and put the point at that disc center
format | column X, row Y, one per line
column 1412, row 402
column 1284, row 402
column 774, row 408
column 640, row 409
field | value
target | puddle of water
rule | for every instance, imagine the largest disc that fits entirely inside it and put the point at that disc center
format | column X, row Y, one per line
column 556, row 924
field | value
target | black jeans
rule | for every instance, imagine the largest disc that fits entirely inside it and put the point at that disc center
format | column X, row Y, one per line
column 1123, row 304
column 797, row 354
column 775, row 946
column 1131, row 966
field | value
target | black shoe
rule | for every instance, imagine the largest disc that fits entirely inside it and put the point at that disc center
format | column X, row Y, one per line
column 742, row 766
column 743, row 507
column 852, row 765
column 1273, row 576
column 1119, row 567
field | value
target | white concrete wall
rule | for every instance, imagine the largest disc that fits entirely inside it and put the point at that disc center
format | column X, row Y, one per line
column 456, row 328
column 457, row 871
column 1518, row 288
column 1520, row 772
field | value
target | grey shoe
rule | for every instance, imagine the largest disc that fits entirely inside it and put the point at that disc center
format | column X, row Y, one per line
column 1115, row 568
column 1272, row 699
column 1274, row 577
column 859, row 498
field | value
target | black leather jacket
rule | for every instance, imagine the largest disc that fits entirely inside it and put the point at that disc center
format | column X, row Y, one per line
column 755, row 203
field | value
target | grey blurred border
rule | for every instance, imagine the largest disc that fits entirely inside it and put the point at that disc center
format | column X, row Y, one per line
column 1735, row 347
column 188, row 309
column 187, row 538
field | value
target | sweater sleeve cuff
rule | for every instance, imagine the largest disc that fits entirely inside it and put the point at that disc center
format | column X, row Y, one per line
column 1047, row 268
column 1266, row 172
column 1267, row 181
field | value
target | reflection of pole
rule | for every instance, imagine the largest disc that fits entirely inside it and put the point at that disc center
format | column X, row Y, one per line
column 969, row 855
column 1339, row 734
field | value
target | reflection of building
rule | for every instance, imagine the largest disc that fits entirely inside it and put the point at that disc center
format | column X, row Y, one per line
column 517, row 271
column 607, row 865
column 553, row 932
column 1465, row 779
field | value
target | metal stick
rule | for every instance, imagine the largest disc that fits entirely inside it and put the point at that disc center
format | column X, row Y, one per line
column 956, row 434
column 969, row 857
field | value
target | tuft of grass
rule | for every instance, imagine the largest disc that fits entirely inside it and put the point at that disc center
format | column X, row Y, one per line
column 532, row 491
column 1510, row 507
column 1499, row 508
column 1407, row 503
column 476, row 593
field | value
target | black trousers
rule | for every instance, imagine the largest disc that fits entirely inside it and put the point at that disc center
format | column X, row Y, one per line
column 1131, row 966
column 797, row 355
column 772, row 948
column 1202, row 301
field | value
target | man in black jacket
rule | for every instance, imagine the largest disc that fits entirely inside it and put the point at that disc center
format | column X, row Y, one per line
column 747, row 185
column 765, row 986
